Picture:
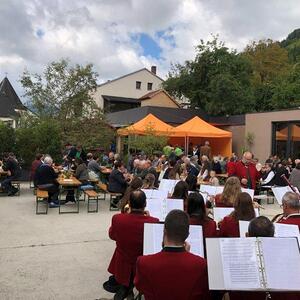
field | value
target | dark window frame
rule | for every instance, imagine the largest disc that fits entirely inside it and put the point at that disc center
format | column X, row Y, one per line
column 151, row 86
column 138, row 85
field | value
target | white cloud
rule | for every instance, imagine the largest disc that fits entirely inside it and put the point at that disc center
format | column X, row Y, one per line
column 35, row 32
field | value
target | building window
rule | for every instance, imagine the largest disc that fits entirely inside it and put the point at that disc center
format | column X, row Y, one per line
column 286, row 139
column 138, row 85
column 150, row 84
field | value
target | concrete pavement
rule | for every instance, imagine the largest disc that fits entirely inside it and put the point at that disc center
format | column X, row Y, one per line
column 56, row 256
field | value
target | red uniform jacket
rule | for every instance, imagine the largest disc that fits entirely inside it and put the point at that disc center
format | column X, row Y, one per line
column 219, row 203
column 293, row 219
column 240, row 170
column 229, row 227
column 128, row 231
column 209, row 226
column 172, row 274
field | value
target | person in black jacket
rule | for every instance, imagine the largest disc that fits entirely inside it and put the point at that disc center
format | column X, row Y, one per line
column 12, row 166
column 45, row 179
column 117, row 182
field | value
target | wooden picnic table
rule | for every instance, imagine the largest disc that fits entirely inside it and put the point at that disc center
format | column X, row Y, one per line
column 68, row 182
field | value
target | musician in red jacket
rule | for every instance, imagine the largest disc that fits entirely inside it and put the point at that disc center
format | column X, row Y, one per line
column 174, row 273
column 128, row 230
column 246, row 171
column 243, row 211
column 291, row 210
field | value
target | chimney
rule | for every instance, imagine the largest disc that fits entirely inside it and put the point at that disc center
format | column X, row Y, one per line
column 153, row 69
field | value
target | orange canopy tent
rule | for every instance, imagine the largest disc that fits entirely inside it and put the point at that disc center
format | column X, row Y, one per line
column 142, row 127
column 197, row 131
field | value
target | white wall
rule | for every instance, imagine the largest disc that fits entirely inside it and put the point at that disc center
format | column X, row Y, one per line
column 126, row 86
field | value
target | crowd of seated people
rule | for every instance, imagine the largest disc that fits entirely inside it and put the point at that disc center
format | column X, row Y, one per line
column 175, row 257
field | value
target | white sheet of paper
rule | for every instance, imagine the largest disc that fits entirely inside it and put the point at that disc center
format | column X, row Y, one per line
column 249, row 191
column 153, row 237
column 221, row 212
column 168, row 185
column 159, row 208
column 280, row 191
column 240, row 264
column 282, row 263
column 281, row 230
column 155, row 194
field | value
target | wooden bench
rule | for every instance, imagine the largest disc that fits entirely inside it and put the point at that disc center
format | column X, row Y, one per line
column 92, row 196
column 41, row 197
column 16, row 184
column 103, row 189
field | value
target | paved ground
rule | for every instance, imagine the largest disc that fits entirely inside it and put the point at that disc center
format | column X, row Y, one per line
column 55, row 256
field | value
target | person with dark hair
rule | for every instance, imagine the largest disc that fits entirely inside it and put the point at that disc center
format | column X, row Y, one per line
column 181, row 191
column 198, row 216
column 128, row 231
column 261, row 226
column 280, row 170
column 35, row 164
column 135, row 184
column 174, row 273
column 117, row 183
column 13, row 169
column 172, row 171
column 191, row 181
column 149, row 182
column 243, row 211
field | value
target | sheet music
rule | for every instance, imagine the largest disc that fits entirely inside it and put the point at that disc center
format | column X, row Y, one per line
column 249, row 191
column 159, row 208
column 153, row 238
column 281, row 230
column 240, row 264
column 155, row 194
column 280, row 191
column 211, row 190
column 221, row 212
column 168, row 185
column 282, row 263
column 155, row 208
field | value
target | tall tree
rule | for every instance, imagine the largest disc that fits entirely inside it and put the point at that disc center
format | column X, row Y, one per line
column 268, row 60
column 62, row 94
column 218, row 80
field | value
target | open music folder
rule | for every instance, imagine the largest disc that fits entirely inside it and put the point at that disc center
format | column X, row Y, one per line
column 279, row 192
column 221, row 212
column 167, row 185
column 253, row 264
column 159, row 208
column 153, row 238
column 155, row 194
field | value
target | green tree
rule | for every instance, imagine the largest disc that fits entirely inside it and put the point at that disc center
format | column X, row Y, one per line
column 63, row 91
column 148, row 143
column 62, row 95
column 7, row 138
column 218, row 80
column 268, row 60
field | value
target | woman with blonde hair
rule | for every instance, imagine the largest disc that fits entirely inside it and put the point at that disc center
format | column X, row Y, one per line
column 231, row 190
